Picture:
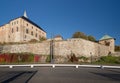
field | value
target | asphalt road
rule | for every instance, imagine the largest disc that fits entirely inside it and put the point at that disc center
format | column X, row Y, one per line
column 59, row 75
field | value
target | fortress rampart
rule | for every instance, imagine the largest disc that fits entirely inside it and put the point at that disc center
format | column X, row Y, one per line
column 78, row 46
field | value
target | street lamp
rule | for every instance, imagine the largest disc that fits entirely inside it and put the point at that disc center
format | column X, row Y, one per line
column 91, row 57
column 51, row 51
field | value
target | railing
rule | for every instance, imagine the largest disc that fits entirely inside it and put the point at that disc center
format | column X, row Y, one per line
column 59, row 65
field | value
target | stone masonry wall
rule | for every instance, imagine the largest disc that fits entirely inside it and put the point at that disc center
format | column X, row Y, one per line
column 36, row 48
column 79, row 47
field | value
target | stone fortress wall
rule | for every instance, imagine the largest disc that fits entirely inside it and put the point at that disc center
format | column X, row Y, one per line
column 78, row 46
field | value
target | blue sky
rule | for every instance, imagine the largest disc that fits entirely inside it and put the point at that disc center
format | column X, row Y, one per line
column 64, row 17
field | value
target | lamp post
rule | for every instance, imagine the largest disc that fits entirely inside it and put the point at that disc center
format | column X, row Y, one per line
column 51, row 51
column 91, row 57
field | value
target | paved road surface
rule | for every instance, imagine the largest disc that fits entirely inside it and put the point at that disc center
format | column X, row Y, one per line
column 59, row 75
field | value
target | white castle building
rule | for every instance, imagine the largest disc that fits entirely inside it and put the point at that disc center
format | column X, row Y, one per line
column 21, row 29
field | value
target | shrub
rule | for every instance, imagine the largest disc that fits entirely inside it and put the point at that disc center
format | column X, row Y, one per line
column 73, row 58
column 27, row 57
column 33, row 40
column 16, row 57
column 83, row 57
column 31, row 57
column 109, row 59
column 42, row 39
column 48, row 58
column 36, row 58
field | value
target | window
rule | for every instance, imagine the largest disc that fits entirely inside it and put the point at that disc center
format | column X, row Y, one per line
column 32, row 27
column 107, row 43
column 27, row 31
column 12, row 30
column 17, row 22
column 27, row 24
column 25, row 36
column 32, row 33
column 39, row 36
column 17, row 29
column 14, row 22
column 36, row 35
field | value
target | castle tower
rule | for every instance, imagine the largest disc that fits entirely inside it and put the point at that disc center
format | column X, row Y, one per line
column 108, row 41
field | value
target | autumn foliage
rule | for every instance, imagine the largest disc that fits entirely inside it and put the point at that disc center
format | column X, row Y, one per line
column 14, row 57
